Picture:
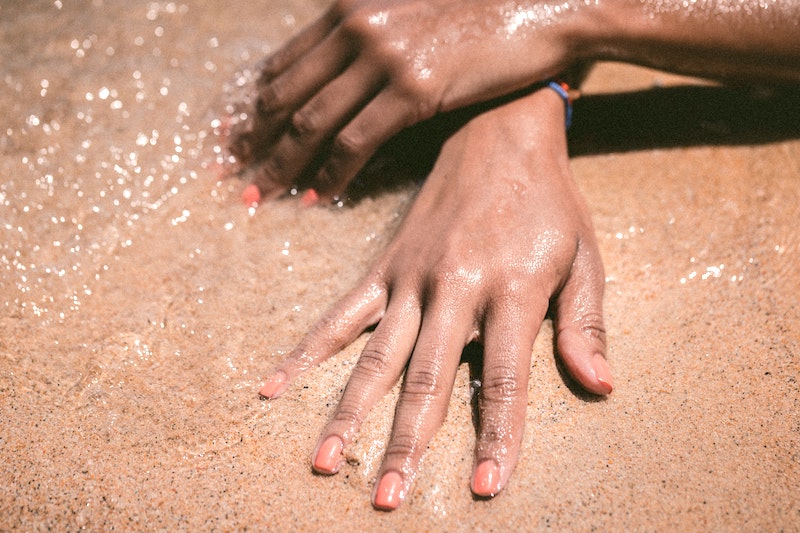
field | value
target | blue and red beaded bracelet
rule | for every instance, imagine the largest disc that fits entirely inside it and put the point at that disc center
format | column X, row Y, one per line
column 566, row 94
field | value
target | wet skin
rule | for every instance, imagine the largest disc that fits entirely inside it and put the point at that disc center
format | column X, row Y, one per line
column 366, row 70
column 448, row 278
column 369, row 68
column 499, row 230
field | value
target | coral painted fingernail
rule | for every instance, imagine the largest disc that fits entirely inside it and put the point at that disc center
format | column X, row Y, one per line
column 309, row 198
column 389, row 492
column 603, row 373
column 328, row 455
column 274, row 385
column 251, row 196
column 486, row 479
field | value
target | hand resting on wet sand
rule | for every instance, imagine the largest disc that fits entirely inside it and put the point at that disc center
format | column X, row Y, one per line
column 449, row 277
column 499, row 231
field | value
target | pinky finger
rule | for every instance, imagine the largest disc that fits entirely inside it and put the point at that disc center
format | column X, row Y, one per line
column 297, row 47
column 338, row 327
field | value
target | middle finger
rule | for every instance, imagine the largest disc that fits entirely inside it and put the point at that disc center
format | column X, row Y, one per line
column 424, row 398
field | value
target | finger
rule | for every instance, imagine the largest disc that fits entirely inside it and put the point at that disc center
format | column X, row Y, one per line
column 338, row 327
column 249, row 140
column 581, row 337
column 314, row 124
column 279, row 97
column 303, row 78
column 378, row 369
column 298, row 46
column 509, row 332
column 386, row 115
column 423, row 401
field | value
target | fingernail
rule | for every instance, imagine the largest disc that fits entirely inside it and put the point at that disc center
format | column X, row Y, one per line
column 603, row 373
column 486, row 479
column 251, row 196
column 309, row 198
column 328, row 455
column 274, row 385
column 389, row 492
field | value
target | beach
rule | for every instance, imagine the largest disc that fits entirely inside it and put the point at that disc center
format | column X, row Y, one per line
column 142, row 304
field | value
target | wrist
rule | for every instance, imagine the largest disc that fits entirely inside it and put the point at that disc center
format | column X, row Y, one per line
column 600, row 29
column 567, row 95
column 587, row 33
column 542, row 112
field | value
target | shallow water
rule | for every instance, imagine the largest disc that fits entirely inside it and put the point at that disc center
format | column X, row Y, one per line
column 107, row 117
column 141, row 305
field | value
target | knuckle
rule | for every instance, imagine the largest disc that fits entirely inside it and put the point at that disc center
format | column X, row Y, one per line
column 453, row 274
column 515, row 287
column 273, row 95
column 593, row 328
column 348, row 152
column 300, row 360
column 490, row 436
column 348, row 144
column 422, row 385
column 375, row 360
column 268, row 174
column 363, row 21
column 307, row 122
column 327, row 177
column 348, row 415
column 242, row 147
column 418, row 94
column 331, row 328
column 501, row 386
column 403, row 445
column 268, row 68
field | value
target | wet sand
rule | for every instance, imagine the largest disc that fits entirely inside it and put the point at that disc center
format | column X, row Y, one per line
column 141, row 304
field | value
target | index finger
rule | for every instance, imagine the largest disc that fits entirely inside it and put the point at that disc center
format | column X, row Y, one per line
column 298, row 46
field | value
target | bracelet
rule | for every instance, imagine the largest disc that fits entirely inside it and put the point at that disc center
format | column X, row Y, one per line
column 563, row 90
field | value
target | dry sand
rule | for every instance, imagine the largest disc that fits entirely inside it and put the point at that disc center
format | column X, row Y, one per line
column 141, row 304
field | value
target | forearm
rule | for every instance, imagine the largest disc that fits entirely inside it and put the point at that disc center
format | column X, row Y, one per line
column 726, row 39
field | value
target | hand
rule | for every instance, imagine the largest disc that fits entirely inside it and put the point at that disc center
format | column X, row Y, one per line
column 369, row 68
column 497, row 232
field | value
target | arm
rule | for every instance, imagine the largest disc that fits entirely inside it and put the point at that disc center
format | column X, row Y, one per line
column 725, row 39
column 369, row 68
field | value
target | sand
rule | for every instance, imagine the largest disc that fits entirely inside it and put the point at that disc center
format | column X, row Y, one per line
column 141, row 304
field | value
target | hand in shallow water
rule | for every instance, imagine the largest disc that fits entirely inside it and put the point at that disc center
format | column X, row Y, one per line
column 369, row 68
column 497, row 233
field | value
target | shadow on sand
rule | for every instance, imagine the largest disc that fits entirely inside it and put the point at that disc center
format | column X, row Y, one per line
column 610, row 123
